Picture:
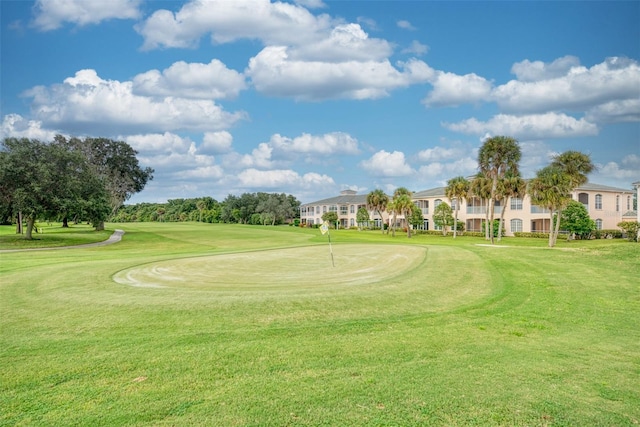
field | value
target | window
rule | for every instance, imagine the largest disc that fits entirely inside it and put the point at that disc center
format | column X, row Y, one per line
column 352, row 209
column 516, row 225
column 584, row 199
column 598, row 201
column 617, row 203
column 628, row 203
column 333, row 208
column 343, row 209
column 454, row 202
column 324, row 209
column 598, row 224
column 516, row 204
column 436, row 203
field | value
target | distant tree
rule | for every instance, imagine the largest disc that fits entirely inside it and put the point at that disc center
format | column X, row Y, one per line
column 496, row 157
column 575, row 219
column 201, row 204
column 481, row 188
column 416, row 219
column 443, row 216
column 458, row 189
column 362, row 217
column 378, row 201
column 331, row 217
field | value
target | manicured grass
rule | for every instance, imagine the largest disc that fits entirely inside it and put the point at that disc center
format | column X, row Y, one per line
column 421, row 331
column 51, row 235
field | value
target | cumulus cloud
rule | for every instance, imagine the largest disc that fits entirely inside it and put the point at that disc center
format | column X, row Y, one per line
column 384, row 163
column 534, row 126
column 324, row 145
column 578, row 89
column 87, row 103
column 627, row 169
column 226, row 21
column 190, row 80
column 532, row 71
column 274, row 73
column 52, row 14
column 281, row 178
column 451, row 89
column 216, row 142
column 16, row 126
column 627, row 110
column 464, row 166
column 159, row 143
column 437, row 153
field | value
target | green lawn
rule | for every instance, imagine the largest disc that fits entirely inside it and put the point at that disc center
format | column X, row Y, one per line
column 206, row 324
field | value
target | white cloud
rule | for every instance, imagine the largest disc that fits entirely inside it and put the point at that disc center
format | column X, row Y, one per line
column 452, row 89
column 52, row 14
column 579, row 89
column 216, row 142
column 226, row 21
column 325, row 145
column 405, row 25
column 281, row 178
column 626, row 110
column 210, row 172
column 384, row 163
column 274, row 73
column 86, row 103
column 527, row 71
column 311, row 4
column 534, row 126
column 16, row 126
column 464, row 166
column 437, row 153
column 190, row 80
column 158, row 143
column 416, row 48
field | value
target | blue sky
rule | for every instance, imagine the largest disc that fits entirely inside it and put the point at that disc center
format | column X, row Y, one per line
column 310, row 98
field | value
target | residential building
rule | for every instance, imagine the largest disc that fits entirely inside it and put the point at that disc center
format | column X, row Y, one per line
column 607, row 206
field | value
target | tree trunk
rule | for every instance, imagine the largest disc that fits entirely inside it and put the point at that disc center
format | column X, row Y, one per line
column 551, row 242
column 100, row 226
column 19, row 223
column 504, row 208
column 486, row 221
column 455, row 221
column 557, row 227
column 65, row 222
column 30, row 222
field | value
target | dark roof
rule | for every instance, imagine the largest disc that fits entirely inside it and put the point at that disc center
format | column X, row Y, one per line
column 347, row 199
column 631, row 214
column 433, row 192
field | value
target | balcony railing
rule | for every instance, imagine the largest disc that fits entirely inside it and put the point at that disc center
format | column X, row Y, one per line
column 538, row 210
column 482, row 209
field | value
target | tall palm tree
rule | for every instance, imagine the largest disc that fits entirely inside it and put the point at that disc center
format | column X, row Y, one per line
column 576, row 166
column 458, row 189
column 512, row 185
column 481, row 188
column 497, row 155
column 404, row 206
column 551, row 189
column 378, row 201
column 401, row 198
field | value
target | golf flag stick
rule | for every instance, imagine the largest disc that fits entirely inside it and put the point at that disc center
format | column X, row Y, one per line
column 324, row 229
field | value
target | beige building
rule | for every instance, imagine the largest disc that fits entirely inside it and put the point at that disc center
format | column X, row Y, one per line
column 607, row 206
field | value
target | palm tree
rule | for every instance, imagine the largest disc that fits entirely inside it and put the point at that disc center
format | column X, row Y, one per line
column 481, row 188
column 378, row 201
column 401, row 198
column 498, row 155
column 404, row 206
column 509, row 186
column 458, row 189
column 576, row 166
column 551, row 188
column 200, row 204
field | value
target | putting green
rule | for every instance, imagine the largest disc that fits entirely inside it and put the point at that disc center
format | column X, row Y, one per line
column 304, row 267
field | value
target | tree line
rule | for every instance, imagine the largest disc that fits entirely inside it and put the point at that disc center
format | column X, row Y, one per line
column 66, row 179
column 248, row 208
